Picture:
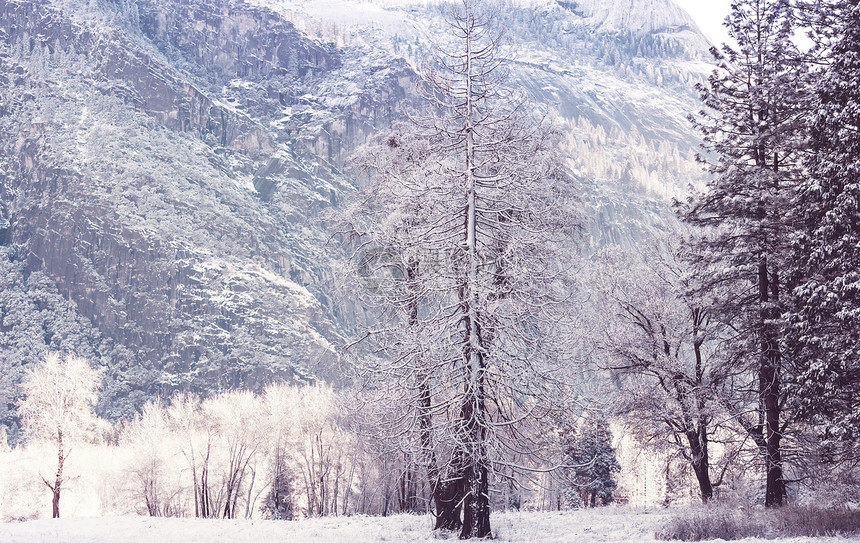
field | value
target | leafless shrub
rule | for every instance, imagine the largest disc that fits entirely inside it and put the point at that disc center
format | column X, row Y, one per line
column 732, row 523
column 816, row 522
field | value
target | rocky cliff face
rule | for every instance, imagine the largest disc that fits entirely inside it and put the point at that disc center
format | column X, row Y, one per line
column 164, row 163
column 144, row 182
column 618, row 76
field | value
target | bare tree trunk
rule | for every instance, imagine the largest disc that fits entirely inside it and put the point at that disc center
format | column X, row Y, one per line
column 407, row 491
column 205, row 493
column 336, row 489
column 769, row 386
column 55, row 503
column 444, row 491
column 196, row 484
column 447, row 495
column 58, row 481
column 476, row 505
column 249, row 503
column 348, row 490
column 699, row 453
column 698, row 440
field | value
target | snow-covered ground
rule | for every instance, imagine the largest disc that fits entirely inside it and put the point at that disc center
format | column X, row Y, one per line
column 612, row 524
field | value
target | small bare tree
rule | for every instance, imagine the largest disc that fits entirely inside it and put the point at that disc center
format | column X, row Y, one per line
column 240, row 434
column 58, row 407
column 197, row 436
column 145, row 436
column 665, row 354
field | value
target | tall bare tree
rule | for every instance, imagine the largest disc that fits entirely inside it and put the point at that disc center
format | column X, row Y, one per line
column 464, row 234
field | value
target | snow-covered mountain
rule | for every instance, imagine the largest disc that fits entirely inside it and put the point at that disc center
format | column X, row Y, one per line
column 619, row 74
column 164, row 163
column 638, row 16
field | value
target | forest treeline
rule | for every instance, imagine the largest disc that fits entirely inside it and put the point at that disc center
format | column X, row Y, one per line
column 286, row 453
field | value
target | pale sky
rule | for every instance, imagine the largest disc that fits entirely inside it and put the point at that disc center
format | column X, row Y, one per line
column 709, row 15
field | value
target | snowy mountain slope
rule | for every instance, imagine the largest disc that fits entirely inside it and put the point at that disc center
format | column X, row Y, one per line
column 165, row 164
column 638, row 16
column 144, row 196
column 619, row 75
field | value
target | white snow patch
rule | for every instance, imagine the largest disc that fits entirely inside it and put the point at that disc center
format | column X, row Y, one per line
column 611, row 524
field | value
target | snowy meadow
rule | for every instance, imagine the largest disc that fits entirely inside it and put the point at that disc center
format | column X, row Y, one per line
column 608, row 525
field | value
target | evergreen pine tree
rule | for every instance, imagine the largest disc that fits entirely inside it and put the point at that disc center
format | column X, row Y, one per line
column 592, row 464
column 825, row 317
column 751, row 112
